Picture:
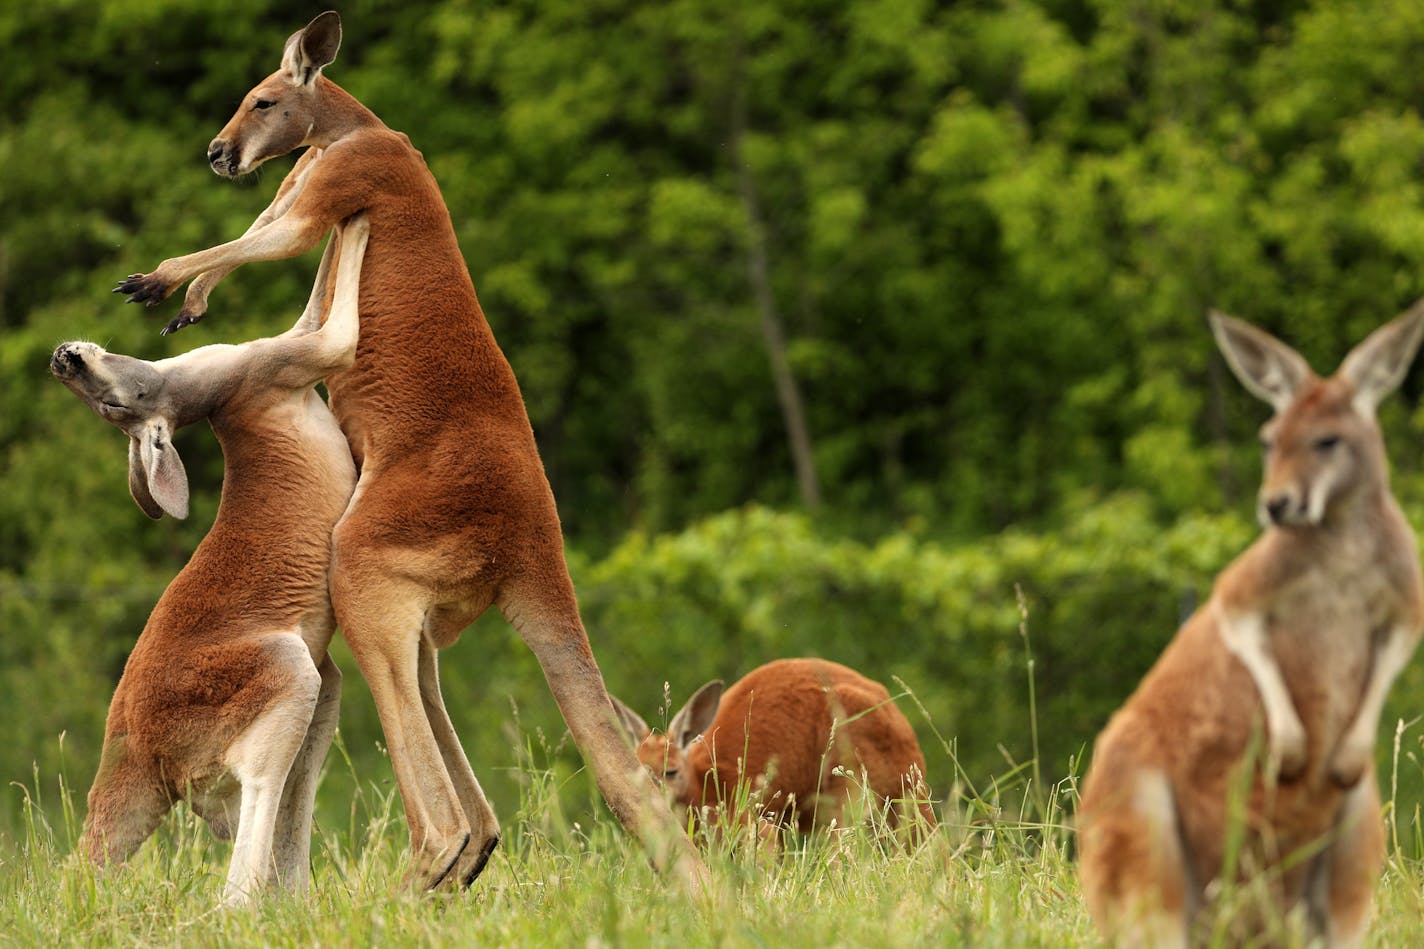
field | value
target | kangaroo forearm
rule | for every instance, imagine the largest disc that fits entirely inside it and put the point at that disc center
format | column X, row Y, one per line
column 1391, row 654
column 1245, row 635
column 285, row 237
column 196, row 299
column 324, row 349
column 311, row 318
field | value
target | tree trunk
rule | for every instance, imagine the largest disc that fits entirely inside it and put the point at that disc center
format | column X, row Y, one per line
column 788, row 393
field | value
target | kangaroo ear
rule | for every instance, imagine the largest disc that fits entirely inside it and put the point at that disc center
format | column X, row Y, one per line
column 632, row 723
column 312, row 48
column 157, row 480
column 1377, row 366
column 138, row 482
column 1268, row 368
column 696, row 716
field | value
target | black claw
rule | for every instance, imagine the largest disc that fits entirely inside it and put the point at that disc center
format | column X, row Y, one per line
column 483, row 859
column 439, row 877
column 140, row 290
column 180, row 321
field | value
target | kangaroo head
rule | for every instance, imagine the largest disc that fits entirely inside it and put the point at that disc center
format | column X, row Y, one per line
column 134, row 396
column 281, row 111
column 1323, row 446
column 665, row 755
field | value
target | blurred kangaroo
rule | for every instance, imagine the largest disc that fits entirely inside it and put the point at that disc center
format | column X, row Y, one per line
column 1304, row 633
column 229, row 699
column 805, row 732
column 452, row 511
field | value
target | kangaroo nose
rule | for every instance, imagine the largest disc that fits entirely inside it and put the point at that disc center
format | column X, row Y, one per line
column 66, row 359
column 215, row 149
column 1277, row 507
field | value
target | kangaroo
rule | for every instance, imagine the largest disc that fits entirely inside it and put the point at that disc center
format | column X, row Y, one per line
column 229, row 699
column 452, row 511
column 1305, row 630
column 805, row 732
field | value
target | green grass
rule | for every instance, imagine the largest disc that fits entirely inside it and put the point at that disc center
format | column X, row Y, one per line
column 989, row 876
column 997, row 872
column 985, row 877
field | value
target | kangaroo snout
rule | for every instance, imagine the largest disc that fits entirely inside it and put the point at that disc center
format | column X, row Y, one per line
column 68, row 359
column 1298, row 505
column 1278, row 508
column 222, row 157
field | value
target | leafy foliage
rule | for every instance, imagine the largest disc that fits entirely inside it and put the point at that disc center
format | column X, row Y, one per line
column 993, row 230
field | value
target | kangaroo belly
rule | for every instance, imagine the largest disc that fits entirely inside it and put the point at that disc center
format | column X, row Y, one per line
column 1324, row 645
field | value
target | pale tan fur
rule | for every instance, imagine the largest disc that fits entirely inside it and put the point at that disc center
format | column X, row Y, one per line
column 1302, row 637
column 452, row 511
column 229, row 699
column 806, row 735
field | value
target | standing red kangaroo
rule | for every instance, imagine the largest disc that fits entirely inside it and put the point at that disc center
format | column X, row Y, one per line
column 1305, row 632
column 452, row 511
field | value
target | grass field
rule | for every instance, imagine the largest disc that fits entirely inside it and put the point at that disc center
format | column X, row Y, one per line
column 989, row 876
column 985, row 879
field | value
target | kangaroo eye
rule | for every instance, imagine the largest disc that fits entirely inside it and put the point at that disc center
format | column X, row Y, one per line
column 1326, row 443
column 670, row 774
column 263, row 104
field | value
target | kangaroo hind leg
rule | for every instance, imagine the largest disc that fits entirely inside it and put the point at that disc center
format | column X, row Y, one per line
column 484, row 826
column 383, row 620
column 291, row 845
column 1134, row 867
column 1343, row 878
column 261, row 758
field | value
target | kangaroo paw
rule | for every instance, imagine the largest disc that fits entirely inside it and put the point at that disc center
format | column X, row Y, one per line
column 148, row 289
column 1349, row 764
column 1288, row 752
column 184, row 318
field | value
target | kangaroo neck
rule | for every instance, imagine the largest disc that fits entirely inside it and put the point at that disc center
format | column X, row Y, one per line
column 1351, row 524
column 1358, row 511
column 338, row 114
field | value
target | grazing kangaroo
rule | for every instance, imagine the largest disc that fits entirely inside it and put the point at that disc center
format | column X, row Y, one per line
column 229, row 699
column 803, row 731
column 452, row 511
column 1305, row 630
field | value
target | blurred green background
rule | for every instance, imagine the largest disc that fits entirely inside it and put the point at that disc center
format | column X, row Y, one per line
column 837, row 324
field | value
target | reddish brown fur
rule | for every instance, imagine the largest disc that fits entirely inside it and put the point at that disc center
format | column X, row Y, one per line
column 453, row 512
column 774, row 728
column 196, row 676
column 1155, row 810
column 238, row 641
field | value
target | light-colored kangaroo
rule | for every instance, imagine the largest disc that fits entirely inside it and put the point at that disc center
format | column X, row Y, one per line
column 229, row 699
column 804, row 732
column 1306, row 630
column 452, row 511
